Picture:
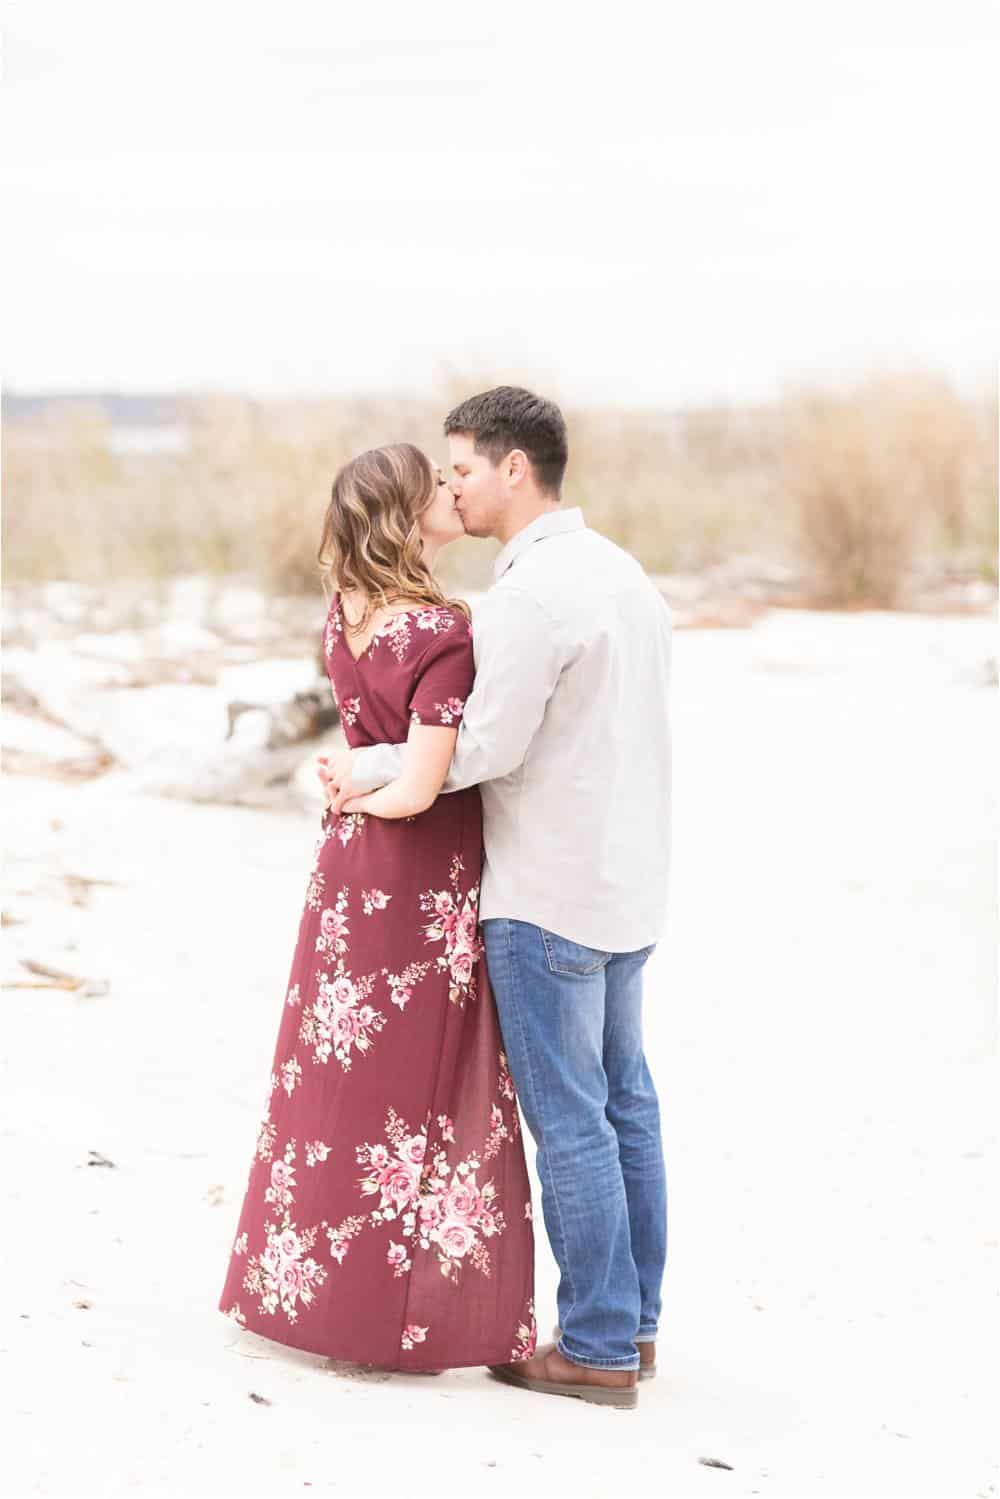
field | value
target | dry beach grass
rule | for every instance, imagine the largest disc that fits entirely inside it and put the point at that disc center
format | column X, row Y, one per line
column 848, row 490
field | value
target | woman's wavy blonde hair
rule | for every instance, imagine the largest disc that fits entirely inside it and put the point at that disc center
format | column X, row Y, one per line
column 371, row 535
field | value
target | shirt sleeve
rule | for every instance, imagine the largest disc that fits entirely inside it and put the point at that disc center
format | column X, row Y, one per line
column 518, row 655
column 444, row 678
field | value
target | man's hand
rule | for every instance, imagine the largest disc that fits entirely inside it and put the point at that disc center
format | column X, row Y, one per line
column 335, row 777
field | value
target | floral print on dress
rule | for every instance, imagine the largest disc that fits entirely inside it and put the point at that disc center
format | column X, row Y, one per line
column 334, row 927
column 284, row 1275
column 314, row 891
column 396, row 630
column 281, row 1189
column 338, row 1022
column 398, row 1258
column 374, row 900
column 291, row 1075
column 401, row 985
column 348, row 824
column 450, row 710
column 349, row 710
column 527, row 1336
column 341, row 1236
column 446, row 713
column 266, row 1132
column 334, row 627
column 455, row 921
column 439, row 1205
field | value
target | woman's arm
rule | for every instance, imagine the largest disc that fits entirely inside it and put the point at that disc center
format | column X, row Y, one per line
column 426, row 758
column 519, row 657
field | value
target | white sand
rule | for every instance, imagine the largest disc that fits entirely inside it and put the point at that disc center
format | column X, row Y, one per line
column 821, row 1024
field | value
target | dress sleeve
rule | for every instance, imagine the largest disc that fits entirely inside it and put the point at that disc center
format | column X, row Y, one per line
column 444, row 677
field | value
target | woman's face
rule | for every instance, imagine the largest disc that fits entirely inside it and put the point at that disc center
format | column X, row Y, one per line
column 441, row 522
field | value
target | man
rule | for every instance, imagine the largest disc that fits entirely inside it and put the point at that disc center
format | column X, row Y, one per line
column 566, row 732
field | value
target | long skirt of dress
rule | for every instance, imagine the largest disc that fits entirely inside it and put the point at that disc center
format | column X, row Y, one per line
column 387, row 1216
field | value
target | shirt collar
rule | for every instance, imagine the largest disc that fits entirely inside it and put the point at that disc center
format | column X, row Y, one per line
column 550, row 524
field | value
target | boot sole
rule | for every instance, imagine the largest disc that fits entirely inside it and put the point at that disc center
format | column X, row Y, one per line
column 626, row 1398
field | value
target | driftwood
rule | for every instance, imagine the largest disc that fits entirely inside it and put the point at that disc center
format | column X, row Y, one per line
column 304, row 716
column 255, row 763
column 263, row 749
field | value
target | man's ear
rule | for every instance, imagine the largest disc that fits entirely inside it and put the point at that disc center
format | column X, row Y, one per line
column 517, row 465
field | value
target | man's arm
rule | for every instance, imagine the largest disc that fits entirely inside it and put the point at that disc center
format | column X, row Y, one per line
column 519, row 655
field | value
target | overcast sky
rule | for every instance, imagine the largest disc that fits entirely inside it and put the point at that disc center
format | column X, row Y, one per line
column 669, row 203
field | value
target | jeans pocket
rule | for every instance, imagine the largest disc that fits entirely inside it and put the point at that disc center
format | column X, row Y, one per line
column 564, row 956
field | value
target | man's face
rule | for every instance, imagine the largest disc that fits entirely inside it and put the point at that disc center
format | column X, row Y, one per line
column 480, row 495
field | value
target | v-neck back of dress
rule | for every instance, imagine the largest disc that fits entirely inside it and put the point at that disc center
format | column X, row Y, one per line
column 382, row 629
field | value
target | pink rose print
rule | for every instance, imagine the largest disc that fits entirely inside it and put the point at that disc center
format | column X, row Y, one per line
column 398, row 1185
column 349, row 824
column 282, row 1175
column 431, row 1213
column 527, row 1336
column 461, row 968
column 398, row 1258
column 333, row 927
column 441, row 1207
column 456, row 1239
column 413, row 1334
column 450, row 710
column 401, row 985
column 463, row 1202
column 280, row 1276
column 413, row 1150
column 337, row 1022
column 455, row 921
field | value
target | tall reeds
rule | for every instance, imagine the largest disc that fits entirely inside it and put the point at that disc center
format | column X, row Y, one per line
column 850, row 488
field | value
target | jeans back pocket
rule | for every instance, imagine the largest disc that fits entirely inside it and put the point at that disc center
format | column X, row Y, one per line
column 564, row 956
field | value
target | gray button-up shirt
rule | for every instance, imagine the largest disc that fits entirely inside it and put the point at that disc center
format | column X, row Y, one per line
column 567, row 733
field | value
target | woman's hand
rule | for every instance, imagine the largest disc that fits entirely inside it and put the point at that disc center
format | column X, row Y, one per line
column 355, row 804
column 333, row 771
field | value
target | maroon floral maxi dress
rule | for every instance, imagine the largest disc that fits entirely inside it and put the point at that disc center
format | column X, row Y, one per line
column 387, row 1217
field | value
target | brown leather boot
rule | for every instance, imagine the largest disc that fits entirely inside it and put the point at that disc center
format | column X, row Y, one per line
column 548, row 1373
column 647, row 1356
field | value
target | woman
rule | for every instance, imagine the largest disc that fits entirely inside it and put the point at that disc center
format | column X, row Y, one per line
column 387, row 1218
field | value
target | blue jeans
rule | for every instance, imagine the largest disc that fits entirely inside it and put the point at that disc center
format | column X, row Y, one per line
column 572, row 1029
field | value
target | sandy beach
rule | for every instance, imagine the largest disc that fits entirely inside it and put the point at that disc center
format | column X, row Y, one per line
column 821, row 1022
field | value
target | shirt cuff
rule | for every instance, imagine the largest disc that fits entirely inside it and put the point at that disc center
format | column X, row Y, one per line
column 375, row 766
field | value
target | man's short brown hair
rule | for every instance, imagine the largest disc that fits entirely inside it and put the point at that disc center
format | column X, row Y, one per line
column 509, row 417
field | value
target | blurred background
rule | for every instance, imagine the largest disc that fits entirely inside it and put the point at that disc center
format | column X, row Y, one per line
column 752, row 252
